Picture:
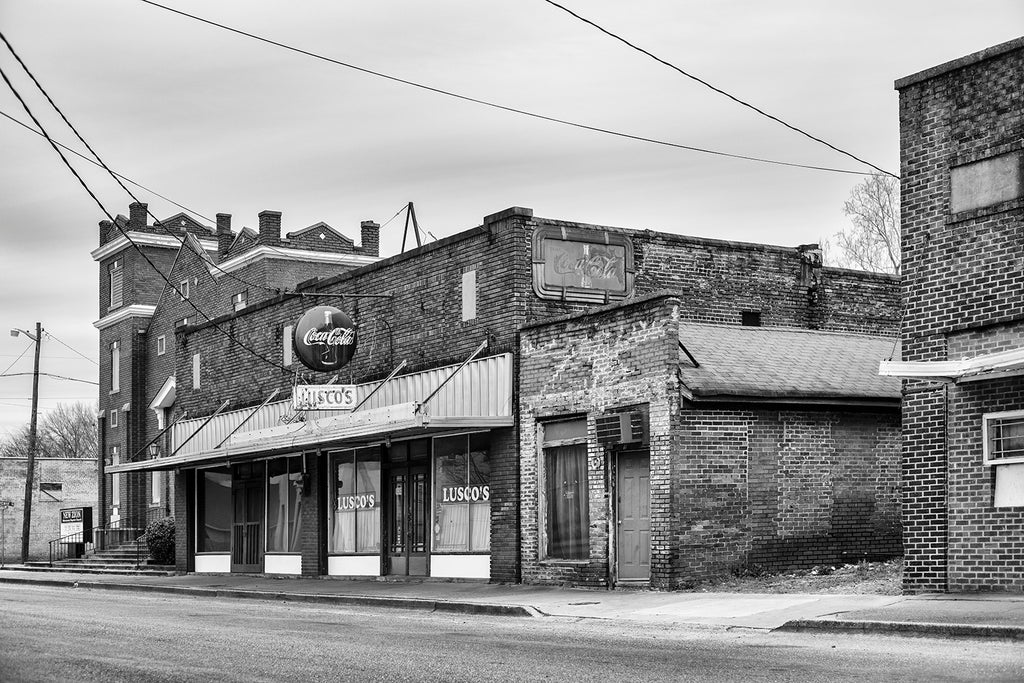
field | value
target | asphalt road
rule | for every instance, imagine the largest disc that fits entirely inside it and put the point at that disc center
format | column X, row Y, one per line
column 62, row 634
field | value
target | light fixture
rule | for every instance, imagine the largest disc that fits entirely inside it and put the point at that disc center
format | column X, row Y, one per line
column 154, row 451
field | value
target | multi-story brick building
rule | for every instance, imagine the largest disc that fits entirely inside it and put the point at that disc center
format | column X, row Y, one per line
column 962, row 189
column 479, row 368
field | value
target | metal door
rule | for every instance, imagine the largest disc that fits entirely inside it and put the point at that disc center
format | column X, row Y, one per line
column 633, row 510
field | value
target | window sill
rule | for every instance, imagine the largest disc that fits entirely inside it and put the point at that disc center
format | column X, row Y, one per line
column 564, row 563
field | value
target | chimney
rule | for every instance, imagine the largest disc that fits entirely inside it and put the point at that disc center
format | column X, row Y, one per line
column 270, row 228
column 224, row 234
column 105, row 227
column 369, row 238
column 137, row 216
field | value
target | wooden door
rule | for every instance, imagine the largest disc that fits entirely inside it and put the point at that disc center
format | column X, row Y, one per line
column 633, row 510
column 247, row 525
column 408, row 514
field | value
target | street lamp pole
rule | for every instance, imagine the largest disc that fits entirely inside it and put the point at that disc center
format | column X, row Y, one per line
column 26, row 526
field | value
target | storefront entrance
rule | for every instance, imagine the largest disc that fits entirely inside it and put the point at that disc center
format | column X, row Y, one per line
column 247, row 501
column 633, row 508
column 408, row 512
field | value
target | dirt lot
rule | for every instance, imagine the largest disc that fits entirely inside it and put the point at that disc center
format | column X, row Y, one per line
column 878, row 578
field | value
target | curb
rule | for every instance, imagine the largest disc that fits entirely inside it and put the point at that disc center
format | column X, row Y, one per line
column 424, row 604
column 907, row 628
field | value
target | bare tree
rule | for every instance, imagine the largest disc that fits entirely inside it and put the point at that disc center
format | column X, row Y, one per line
column 67, row 431
column 872, row 242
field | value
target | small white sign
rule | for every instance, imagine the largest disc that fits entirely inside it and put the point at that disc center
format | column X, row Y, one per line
column 324, row 397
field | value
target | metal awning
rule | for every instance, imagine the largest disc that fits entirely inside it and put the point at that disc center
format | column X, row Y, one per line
column 474, row 395
column 373, row 425
column 982, row 367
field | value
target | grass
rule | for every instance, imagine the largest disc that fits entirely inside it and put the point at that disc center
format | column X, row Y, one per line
column 873, row 578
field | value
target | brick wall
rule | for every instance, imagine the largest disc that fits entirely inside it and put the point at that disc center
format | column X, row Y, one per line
column 731, row 487
column 964, row 296
column 77, row 477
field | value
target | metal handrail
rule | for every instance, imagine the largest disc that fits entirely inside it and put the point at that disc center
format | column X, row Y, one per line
column 60, row 547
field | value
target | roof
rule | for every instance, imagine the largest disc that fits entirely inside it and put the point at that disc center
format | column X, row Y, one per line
column 775, row 364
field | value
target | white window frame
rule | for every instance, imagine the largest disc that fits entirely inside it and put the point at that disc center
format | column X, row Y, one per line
column 183, row 289
column 240, row 300
column 156, row 486
column 115, row 272
column 987, row 421
column 161, row 345
column 469, row 295
column 286, row 350
column 113, row 418
column 115, row 479
column 115, row 366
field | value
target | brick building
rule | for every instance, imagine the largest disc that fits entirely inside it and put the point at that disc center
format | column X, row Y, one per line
column 59, row 483
column 427, row 470
column 962, row 188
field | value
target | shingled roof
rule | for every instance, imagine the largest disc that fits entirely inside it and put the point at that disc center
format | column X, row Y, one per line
column 735, row 363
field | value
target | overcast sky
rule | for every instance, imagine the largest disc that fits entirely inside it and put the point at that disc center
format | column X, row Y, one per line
column 222, row 123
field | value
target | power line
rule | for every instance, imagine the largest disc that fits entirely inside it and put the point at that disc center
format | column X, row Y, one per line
column 718, row 90
column 94, row 163
column 17, row 359
column 124, row 233
column 51, row 336
column 50, row 374
column 113, row 175
column 494, row 105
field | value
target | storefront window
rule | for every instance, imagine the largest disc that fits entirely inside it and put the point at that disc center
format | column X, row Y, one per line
column 355, row 520
column 462, row 493
column 566, row 491
column 214, row 519
column 284, row 504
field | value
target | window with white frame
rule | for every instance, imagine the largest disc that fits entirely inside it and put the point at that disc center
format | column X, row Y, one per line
column 183, row 289
column 161, row 345
column 115, row 366
column 566, row 503
column 115, row 479
column 116, row 277
column 113, row 418
column 1003, row 437
column 156, row 488
column 240, row 300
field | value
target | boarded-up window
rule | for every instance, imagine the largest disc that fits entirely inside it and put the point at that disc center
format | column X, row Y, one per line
column 986, row 182
column 469, row 295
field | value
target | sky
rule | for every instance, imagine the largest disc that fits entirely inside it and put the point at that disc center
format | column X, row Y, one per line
column 221, row 123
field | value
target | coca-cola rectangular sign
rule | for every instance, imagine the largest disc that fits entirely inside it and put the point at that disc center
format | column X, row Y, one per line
column 324, row 397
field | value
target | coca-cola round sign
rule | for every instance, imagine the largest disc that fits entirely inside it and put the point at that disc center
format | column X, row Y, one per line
column 325, row 339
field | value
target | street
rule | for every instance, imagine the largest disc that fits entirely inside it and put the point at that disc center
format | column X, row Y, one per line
column 60, row 634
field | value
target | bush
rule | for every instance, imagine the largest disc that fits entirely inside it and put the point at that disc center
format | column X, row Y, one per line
column 160, row 539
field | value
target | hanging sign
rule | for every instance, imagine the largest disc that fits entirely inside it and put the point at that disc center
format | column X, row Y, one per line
column 325, row 339
column 324, row 397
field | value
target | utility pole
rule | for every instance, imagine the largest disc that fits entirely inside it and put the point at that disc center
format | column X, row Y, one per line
column 26, row 526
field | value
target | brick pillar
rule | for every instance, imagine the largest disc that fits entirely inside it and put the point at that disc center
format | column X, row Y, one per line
column 314, row 533
column 184, row 521
column 224, row 235
column 137, row 215
column 925, row 506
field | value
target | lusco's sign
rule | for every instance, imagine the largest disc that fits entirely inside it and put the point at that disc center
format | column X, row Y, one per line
column 325, row 339
column 465, row 494
column 324, row 397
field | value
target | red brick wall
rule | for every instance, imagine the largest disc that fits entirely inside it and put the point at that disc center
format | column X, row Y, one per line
column 964, row 296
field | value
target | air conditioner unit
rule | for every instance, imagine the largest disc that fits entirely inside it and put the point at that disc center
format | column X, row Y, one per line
column 623, row 428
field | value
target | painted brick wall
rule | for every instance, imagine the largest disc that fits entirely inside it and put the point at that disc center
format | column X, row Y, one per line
column 964, row 295
column 731, row 487
column 77, row 477
column 586, row 366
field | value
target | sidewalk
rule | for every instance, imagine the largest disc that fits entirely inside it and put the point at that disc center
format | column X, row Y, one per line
column 974, row 615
